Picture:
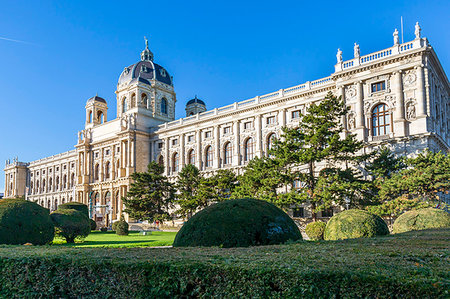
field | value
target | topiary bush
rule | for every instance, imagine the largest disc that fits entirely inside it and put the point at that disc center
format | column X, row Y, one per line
column 238, row 223
column 23, row 222
column 421, row 219
column 355, row 223
column 121, row 227
column 315, row 230
column 81, row 207
column 70, row 224
column 93, row 224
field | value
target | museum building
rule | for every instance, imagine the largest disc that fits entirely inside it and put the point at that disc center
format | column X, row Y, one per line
column 397, row 97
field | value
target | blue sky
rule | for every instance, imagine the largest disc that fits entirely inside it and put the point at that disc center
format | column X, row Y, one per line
column 221, row 51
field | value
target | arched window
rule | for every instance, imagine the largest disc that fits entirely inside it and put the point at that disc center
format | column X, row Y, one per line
column 43, row 186
column 72, row 180
column 248, row 149
column 227, row 154
column 161, row 160
column 270, row 140
column 164, row 106
column 117, row 168
column 381, row 120
column 97, row 172
column 208, row 156
column 107, row 197
column 64, row 181
column 50, row 184
column 175, row 162
column 31, row 187
column 97, row 199
column 100, row 117
column 124, row 105
column 133, row 100
column 37, row 187
column 48, row 204
column 90, row 116
column 191, row 157
column 107, row 170
column 144, row 100
column 116, row 203
column 57, row 183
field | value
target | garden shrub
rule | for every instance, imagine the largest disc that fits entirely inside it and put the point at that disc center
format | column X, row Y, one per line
column 23, row 222
column 421, row 219
column 315, row 230
column 81, row 207
column 121, row 227
column 355, row 223
column 71, row 224
column 238, row 223
column 103, row 229
column 93, row 224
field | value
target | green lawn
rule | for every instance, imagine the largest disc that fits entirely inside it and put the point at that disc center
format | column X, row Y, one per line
column 110, row 239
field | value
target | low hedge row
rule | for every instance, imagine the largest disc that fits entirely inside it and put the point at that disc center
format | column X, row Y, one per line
column 411, row 265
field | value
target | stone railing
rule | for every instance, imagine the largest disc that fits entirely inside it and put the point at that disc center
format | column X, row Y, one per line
column 54, row 157
column 248, row 103
column 394, row 50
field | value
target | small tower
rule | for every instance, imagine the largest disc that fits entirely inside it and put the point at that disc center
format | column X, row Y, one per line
column 96, row 111
column 195, row 106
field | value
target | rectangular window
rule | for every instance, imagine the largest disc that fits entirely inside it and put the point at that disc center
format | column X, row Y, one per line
column 327, row 213
column 298, row 212
column 190, row 138
column 174, row 142
column 208, row 134
column 160, row 145
column 270, row 120
column 65, row 167
column 43, row 172
column 226, row 130
column 297, row 184
column 107, row 152
column 378, row 86
column 295, row 114
column 248, row 125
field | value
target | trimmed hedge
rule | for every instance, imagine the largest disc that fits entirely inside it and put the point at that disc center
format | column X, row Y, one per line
column 23, row 222
column 93, row 224
column 71, row 224
column 315, row 230
column 238, row 223
column 355, row 223
column 81, row 207
column 120, row 227
column 421, row 219
column 406, row 265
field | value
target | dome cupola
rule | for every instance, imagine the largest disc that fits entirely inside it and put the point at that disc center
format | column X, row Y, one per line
column 195, row 106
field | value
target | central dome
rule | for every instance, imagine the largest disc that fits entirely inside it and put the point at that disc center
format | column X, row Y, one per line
column 145, row 70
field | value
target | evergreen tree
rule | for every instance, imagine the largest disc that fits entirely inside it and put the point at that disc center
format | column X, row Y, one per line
column 150, row 196
column 320, row 142
column 222, row 184
column 188, row 184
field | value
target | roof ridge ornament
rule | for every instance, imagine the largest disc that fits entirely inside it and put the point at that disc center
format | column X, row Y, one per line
column 146, row 55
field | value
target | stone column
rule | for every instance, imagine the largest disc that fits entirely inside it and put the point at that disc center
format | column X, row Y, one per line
column 282, row 117
column 360, row 123
column 198, row 153
column 421, row 100
column 182, row 154
column 341, row 93
column 399, row 113
column 258, row 135
column 217, row 146
column 237, row 150
column 166, row 157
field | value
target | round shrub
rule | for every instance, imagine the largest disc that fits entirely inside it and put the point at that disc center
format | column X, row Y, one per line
column 81, row 207
column 121, row 227
column 238, row 223
column 103, row 229
column 315, row 230
column 355, row 223
column 93, row 224
column 70, row 224
column 421, row 219
column 23, row 222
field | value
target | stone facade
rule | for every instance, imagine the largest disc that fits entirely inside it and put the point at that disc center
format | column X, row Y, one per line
column 398, row 97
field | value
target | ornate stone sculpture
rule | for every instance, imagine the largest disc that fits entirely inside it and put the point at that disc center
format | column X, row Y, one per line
column 350, row 92
column 417, row 30
column 351, row 121
column 395, row 34
column 339, row 56
column 410, row 110
column 356, row 50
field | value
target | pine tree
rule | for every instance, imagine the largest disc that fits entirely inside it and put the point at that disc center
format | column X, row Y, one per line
column 150, row 196
column 317, row 154
column 188, row 184
column 222, row 184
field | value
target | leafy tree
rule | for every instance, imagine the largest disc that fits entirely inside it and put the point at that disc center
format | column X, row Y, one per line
column 384, row 164
column 187, row 185
column 396, row 207
column 320, row 142
column 151, row 195
column 221, row 185
column 426, row 175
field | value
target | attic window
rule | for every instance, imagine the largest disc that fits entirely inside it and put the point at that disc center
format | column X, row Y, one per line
column 163, row 72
